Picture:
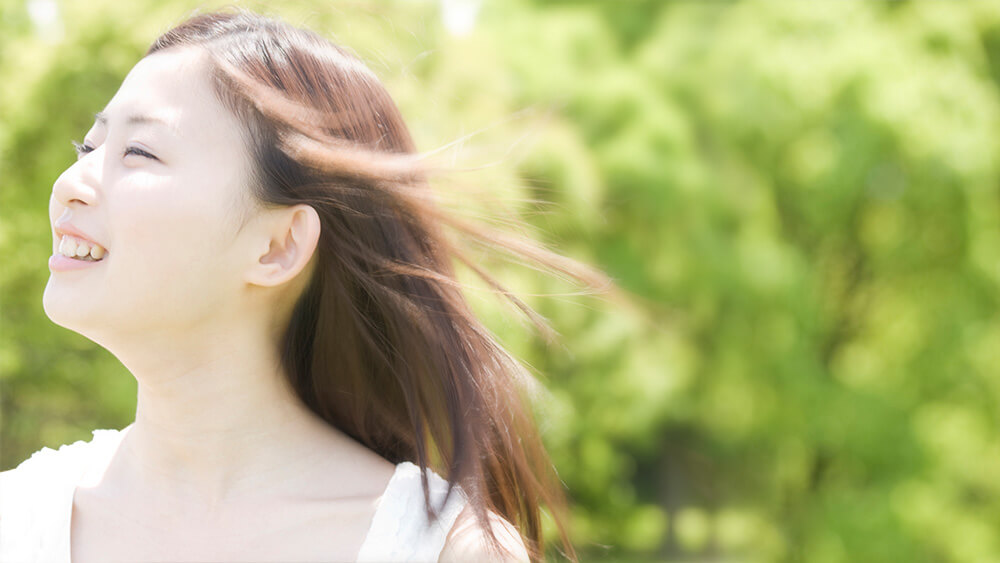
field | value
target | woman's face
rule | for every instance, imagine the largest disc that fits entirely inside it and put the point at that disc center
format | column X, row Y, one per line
column 158, row 187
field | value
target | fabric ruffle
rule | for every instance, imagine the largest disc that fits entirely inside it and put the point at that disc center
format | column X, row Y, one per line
column 401, row 530
column 36, row 499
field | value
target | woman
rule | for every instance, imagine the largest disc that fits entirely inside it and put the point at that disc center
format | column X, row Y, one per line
column 248, row 229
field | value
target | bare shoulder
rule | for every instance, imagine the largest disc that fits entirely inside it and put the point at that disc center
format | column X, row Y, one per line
column 467, row 540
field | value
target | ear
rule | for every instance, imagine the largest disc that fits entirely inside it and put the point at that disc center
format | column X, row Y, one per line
column 290, row 243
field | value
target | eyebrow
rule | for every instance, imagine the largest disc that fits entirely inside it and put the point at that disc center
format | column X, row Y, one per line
column 102, row 118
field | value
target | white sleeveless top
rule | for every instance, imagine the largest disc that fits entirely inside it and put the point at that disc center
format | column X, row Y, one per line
column 36, row 503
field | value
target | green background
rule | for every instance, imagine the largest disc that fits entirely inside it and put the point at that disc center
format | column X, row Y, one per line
column 801, row 200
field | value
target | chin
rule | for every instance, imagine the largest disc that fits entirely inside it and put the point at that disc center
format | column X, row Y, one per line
column 68, row 308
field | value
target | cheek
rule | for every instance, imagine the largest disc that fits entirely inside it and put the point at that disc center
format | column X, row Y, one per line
column 172, row 234
column 171, row 267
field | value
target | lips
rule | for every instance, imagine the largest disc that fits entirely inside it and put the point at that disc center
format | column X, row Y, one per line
column 60, row 263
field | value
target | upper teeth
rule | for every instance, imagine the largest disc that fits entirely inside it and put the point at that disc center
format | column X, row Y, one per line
column 77, row 248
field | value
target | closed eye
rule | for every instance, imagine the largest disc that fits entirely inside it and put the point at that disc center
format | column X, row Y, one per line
column 140, row 152
column 83, row 148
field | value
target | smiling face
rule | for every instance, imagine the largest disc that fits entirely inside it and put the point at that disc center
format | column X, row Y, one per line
column 159, row 183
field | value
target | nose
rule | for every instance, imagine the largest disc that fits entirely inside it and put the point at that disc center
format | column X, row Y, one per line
column 80, row 182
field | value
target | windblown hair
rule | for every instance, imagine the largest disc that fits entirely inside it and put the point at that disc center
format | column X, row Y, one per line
column 381, row 343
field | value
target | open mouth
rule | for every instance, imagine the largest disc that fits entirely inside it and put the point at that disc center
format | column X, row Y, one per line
column 82, row 250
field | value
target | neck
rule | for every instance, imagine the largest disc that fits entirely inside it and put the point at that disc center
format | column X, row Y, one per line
column 221, row 424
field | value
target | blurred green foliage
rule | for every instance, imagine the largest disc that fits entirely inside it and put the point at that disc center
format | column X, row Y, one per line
column 802, row 197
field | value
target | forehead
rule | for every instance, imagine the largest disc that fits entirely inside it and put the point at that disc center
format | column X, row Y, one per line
column 172, row 87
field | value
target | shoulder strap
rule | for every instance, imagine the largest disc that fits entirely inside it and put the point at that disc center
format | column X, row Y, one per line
column 400, row 530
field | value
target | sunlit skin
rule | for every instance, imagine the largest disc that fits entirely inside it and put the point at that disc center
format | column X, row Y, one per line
column 223, row 462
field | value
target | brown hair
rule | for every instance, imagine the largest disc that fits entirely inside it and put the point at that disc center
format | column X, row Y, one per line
column 382, row 343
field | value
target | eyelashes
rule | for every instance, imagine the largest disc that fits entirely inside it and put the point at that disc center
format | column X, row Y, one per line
column 82, row 149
